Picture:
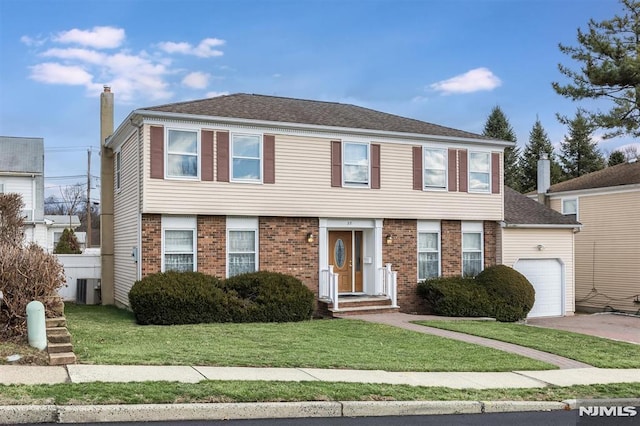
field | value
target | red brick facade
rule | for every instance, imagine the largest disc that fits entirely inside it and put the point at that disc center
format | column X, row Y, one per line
column 284, row 248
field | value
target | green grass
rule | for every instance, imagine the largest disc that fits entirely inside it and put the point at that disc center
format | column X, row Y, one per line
column 596, row 351
column 107, row 335
column 232, row 391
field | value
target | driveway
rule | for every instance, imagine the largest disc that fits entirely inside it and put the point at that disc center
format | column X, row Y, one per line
column 611, row 326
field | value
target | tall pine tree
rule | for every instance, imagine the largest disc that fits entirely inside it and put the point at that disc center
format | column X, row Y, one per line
column 497, row 126
column 579, row 155
column 538, row 143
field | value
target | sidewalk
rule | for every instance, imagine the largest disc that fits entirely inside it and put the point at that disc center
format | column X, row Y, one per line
column 81, row 373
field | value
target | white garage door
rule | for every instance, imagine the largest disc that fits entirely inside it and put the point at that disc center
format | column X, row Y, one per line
column 546, row 277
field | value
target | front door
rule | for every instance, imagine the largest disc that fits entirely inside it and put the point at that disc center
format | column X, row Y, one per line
column 345, row 254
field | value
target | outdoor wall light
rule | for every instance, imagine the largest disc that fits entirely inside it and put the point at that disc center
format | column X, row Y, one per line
column 540, row 247
column 309, row 237
column 389, row 239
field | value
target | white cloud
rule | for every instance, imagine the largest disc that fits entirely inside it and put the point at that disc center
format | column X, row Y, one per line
column 83, row 55
column 32, row 42
column 98, row 37
column 216, row 94
column 54, row 73
column 472, row 81
column 196, row 80
column 205, row 49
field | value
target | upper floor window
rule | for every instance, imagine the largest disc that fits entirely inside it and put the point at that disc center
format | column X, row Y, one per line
column 479, row 171
column 118, row 165
column 435, row 168
column 355, row 165
column 570, row 206
column 182, row 153
column 246, row 158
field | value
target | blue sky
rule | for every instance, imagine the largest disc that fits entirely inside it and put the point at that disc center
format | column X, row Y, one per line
column 445, row 62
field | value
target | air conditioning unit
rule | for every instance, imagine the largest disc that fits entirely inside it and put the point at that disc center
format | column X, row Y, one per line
column 88, row 291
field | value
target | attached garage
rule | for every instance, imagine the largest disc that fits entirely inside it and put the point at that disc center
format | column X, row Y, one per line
column 546, row 276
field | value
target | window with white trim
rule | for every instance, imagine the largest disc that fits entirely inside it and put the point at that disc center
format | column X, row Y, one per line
column 246, row 158
column 242, row 245
column 570, row 206
column 179, row 243
column 479, row 171
column 182, row 154
column 472, row 248
column 428, row 250
column 355, row 164
column 435, row 168
column 118, row 165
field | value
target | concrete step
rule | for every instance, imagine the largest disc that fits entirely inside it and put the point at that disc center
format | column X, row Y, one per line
column 63, row 358
column 56, row 322
column 363, row 302
column 56, row 348
column 362, row 310
column 59, row 338
column 56, row 331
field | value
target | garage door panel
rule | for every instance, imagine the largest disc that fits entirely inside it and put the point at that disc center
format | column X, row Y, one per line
column 546, row 277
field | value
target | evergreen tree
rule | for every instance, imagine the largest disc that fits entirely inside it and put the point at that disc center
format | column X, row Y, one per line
column 68, row 243
column 579, row 155
column 538, row 143
column 616, row 157
column 497, row 126
column 608, row 70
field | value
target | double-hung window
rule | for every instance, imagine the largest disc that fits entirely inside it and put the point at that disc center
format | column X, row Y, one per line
column 242, row 245
column 472, row 243
column 570, row 206
column 179, row 243
column 355, row 165
column 428, row 250
column 182, row 154
column 246, row 158
column 435, row 168
column 479, row 171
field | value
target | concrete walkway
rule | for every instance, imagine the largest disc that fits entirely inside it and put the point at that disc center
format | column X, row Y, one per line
column 404, row 321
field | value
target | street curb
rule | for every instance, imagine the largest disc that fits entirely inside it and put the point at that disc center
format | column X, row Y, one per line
column 573, row 404
column 16, row 414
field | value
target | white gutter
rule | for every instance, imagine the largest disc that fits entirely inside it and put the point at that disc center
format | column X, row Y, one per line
column 301, row 126
column 504, row 224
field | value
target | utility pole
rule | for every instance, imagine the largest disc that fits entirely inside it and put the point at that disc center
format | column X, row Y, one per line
column 88, row 239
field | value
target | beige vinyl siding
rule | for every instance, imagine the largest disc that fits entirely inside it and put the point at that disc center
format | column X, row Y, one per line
column 126, row 221
column 608, row 251
column 522, row 243
column 303, row 188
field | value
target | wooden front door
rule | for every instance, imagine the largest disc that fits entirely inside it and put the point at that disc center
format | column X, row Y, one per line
column 345, row 254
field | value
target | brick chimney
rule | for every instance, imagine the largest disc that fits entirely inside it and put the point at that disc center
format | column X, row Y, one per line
column 544, row 178
column 106, row 197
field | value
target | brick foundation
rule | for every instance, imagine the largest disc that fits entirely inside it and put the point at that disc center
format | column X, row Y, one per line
column 284, row 248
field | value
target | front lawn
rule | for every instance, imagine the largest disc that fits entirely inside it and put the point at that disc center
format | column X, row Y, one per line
column 596, row 351
column 107, row 335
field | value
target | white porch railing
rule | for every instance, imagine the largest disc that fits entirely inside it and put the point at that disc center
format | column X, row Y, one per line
column 390, row 284
column 329, row 286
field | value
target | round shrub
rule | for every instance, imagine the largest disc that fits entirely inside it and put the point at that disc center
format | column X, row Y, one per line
column 179, row 298
column 269, row 297
column 455, row 297
column 510, row 291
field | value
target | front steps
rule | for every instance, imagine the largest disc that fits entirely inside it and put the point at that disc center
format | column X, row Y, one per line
column 356, row 305
column 59, row 344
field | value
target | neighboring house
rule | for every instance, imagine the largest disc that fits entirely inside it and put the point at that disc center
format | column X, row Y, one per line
column 56, row 224
column 539, row 243
column 352, row 201
column 22, row 172
column 607, row 250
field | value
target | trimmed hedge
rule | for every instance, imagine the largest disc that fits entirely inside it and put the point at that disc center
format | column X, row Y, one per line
column 512, row 292
column 455, row 297
column 192, row 297
column 499, row 292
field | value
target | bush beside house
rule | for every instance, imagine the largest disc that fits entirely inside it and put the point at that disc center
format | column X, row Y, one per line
column 499, row 292
column 193, row 297
column 68, row 243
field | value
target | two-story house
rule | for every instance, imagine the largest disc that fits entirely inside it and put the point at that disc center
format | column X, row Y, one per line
column 357, row 203
column 22, row 172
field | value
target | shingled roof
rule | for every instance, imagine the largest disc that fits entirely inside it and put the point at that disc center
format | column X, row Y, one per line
column 522, row 210
column 302, row 111
column 620, row 174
